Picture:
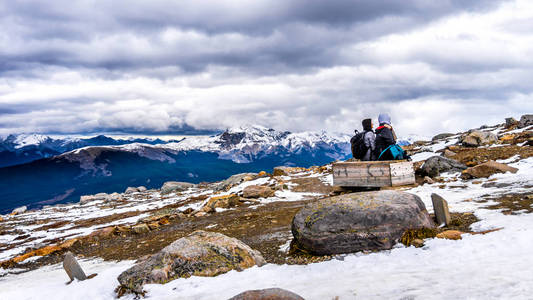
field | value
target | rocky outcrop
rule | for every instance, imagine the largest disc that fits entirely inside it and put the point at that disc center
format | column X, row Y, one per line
column 487, row 169
column 267, row 294
column 435, row 165
column 525, row 121
column 358, row 221
column 199, row 254
column 235, row 180
column 257, row 191
column 175, row 186
column 479, row 138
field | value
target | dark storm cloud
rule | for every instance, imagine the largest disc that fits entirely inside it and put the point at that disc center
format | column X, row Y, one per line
column 273, row 36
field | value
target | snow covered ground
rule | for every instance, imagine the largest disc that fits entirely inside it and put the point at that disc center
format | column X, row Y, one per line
column 492, row 266
column 497, row 265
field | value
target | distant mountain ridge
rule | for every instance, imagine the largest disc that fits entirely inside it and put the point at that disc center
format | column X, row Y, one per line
column 64, row 177
column 23, row 148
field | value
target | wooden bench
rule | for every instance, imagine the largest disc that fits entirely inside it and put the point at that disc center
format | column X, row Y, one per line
column 373, row 173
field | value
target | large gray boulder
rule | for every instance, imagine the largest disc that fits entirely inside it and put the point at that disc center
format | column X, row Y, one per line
column 478, row 138
column 199, row 254
column 267, row 294
column 525, row 121
column 235, row 180
column 435, row 165
column 358, row 221
column 175, row 186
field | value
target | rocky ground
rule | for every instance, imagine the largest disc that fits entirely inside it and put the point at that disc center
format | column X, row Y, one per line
column 257, row 209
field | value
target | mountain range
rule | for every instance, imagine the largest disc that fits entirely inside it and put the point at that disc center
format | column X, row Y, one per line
column 40, row 170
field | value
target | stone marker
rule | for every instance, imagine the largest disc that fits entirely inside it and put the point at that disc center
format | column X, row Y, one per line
column 440, row 206
column 72, row 267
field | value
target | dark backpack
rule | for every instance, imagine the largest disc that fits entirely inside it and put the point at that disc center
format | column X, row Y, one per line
column 358, row 145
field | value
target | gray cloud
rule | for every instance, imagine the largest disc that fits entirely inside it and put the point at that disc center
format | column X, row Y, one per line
column 260, row 36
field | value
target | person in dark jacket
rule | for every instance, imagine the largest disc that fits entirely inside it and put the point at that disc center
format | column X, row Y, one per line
column 385, row 137
column 369, row 140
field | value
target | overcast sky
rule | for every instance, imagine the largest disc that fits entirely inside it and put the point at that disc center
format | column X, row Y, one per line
column 156, row 66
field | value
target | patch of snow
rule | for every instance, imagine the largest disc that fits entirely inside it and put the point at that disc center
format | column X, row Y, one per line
column 422, row 156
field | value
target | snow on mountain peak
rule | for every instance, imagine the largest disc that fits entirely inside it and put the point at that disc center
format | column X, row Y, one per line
column 23, row 140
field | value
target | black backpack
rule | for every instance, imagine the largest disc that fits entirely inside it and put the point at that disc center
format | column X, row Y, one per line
column 358, row 145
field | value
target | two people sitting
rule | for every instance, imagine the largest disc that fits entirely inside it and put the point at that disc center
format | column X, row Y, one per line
column 380, row 145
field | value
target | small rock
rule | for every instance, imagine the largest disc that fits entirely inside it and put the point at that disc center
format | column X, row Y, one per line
column 141, row 188
column 508, row 139
column 201, row 253
column 114, row 197
column 153, row 225
column 435, row 165
column 428, row 180
column 450, row 235
column 510, row 122
column 130, row 190
column 225, row 201
column 256, row 191
column 175, row 186
column 19, row 210
column 200, row 214
column 479, row 138
column 487, row 169
column 417, row 243
column 525, row 121
column 440, row 207
column 89, row 198
column 234, row 181
column 140, row 228
column 286, row 171
column 267, row 294
column 104, row 232
column 448, row 153
column 262, row 174
column 442, row 136
column 73, row 269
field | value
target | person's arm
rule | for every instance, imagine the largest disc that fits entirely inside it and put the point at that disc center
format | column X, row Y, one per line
column 370, row 141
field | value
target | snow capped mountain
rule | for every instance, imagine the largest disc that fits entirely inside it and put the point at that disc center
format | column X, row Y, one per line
column 88, row 166
column 241, row 145
column 24, row 148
